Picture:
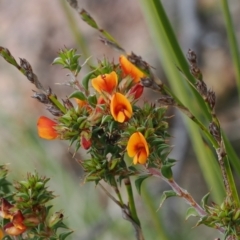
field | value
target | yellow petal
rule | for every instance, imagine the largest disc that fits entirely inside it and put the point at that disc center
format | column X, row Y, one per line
column 121, row 117
column 142, row 157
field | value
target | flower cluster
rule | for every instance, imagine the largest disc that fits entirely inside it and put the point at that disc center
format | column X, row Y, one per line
column 16, row 225
column 25, row 212
column 107, row 120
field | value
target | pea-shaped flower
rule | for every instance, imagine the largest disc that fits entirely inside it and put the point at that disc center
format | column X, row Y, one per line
column 130, row 69
column 16, row 226
column 46, row 128
column 137, row 148
column 120, row 107
column 105, row 82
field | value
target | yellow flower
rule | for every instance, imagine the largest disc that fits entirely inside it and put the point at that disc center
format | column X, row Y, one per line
column 137, row 148
column 120, row 108
column 46, row 128
column 105, row 82
column 130, row 69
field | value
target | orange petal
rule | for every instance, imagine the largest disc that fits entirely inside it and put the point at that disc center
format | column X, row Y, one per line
column 105, row 82
column 18, row 219
column 132, row 143
column 144, row 142
column 129, row 69
column 10, row 229
column 1, row 233
column 120, row 108
column 46, row 128
column 142, row 156
column 81, row 103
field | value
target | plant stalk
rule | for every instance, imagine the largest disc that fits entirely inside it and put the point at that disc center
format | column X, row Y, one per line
column 131, row 202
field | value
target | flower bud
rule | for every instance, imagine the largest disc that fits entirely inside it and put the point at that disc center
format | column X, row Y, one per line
column 54, row 219
column 136, row 91
column 85, row 143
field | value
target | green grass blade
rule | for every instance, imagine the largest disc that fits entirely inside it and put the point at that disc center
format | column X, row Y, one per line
column 232, row 41
column 170, row 51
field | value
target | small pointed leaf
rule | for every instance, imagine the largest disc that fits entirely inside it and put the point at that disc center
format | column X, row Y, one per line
column 92, row 100
column 63, row 236
column 165, row 195
column 139, row 181
column 86, row 79
column 204, row 200
column 191, row 212
column 166, row 171
column 78, row 95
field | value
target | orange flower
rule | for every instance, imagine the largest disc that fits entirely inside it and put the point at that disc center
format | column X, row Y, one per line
column 129, row 69
column 105, row 82
column 46, row 128
column 16, row 227
column 10, row 229
column 18, row 219
column 1, row 234
column 5, row 209
column 137, row 148
column 120, row 108
column 81, row 103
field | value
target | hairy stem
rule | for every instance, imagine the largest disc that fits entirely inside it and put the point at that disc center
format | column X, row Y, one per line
column 182, row 193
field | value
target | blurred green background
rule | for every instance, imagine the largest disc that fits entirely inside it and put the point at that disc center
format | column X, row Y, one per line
column 36, row 31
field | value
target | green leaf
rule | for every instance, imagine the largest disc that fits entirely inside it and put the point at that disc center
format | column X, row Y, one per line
column 106, row 118
column 204, row 200
column 78, row 95
column 166, row 171
column 92, row 100
column 113, row 163
column 86, row 79
column 57, row 103
column 139, row 181
column 191, row 212
column 58, row 60
column 63, row 236
column 165, row 195
column 24, row 196
column 7, row 238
